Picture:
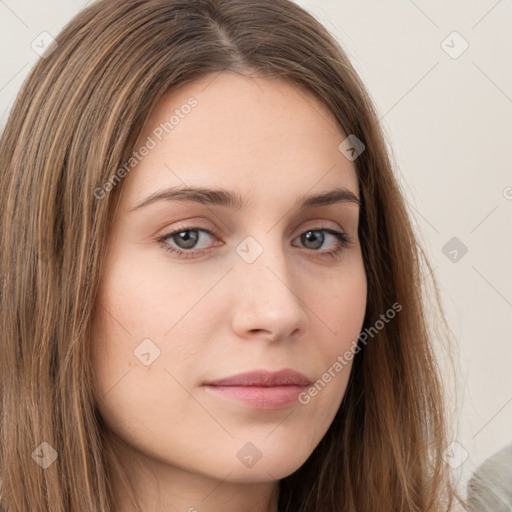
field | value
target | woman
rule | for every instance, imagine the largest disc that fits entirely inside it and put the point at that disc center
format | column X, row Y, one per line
column 171, row 340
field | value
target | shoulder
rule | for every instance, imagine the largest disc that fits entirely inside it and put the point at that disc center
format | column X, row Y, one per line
column 490, row 486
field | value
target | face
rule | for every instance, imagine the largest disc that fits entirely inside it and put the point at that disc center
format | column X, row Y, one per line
column 196, row 289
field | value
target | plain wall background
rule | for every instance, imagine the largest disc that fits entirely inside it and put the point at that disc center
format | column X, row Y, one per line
column 448, row 119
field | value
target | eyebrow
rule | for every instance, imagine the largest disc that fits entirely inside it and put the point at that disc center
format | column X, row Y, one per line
column 222, row 197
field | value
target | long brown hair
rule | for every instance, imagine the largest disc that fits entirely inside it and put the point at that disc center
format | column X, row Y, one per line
column 72, row 127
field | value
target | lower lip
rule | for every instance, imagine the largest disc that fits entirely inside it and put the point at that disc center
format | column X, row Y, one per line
column 260, row 397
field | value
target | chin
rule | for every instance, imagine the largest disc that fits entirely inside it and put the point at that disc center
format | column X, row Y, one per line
column 273, row 462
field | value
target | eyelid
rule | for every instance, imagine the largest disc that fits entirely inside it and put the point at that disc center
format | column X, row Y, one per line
column 324, row 224
column 315, row 224
column 186, row 226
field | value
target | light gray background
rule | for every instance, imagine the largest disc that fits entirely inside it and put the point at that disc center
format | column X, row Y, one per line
column 449, row 123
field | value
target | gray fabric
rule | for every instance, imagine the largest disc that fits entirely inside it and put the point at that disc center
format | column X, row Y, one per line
column 490, row 487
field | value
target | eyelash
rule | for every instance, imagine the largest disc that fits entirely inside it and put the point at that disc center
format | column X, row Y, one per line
column 343, row 241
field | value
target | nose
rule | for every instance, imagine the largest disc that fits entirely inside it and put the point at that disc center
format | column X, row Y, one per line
column 267, row 300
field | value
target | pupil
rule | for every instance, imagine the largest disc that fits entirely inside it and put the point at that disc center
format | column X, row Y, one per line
column 190, row 240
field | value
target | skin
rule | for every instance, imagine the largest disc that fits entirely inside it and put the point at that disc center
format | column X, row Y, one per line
column 215, row 315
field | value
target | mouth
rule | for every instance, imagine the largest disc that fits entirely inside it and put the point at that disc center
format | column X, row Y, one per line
column 261, row 389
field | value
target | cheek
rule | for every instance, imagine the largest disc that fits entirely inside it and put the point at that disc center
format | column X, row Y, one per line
column 145, row 314
column 147, row 295
column 337, row 319
column 340, row 306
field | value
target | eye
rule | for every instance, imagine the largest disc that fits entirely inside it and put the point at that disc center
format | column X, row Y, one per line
column 311, row 236
column 186, row 239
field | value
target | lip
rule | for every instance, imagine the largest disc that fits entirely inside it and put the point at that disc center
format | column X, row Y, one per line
column 261, row 389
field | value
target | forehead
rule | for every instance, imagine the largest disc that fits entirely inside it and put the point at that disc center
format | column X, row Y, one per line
column 252, row 134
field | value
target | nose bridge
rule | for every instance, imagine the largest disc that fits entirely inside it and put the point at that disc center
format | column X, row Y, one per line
column 263, row 257
column 267, row 299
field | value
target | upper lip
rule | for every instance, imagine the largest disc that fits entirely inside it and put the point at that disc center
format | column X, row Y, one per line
column 286, row 377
